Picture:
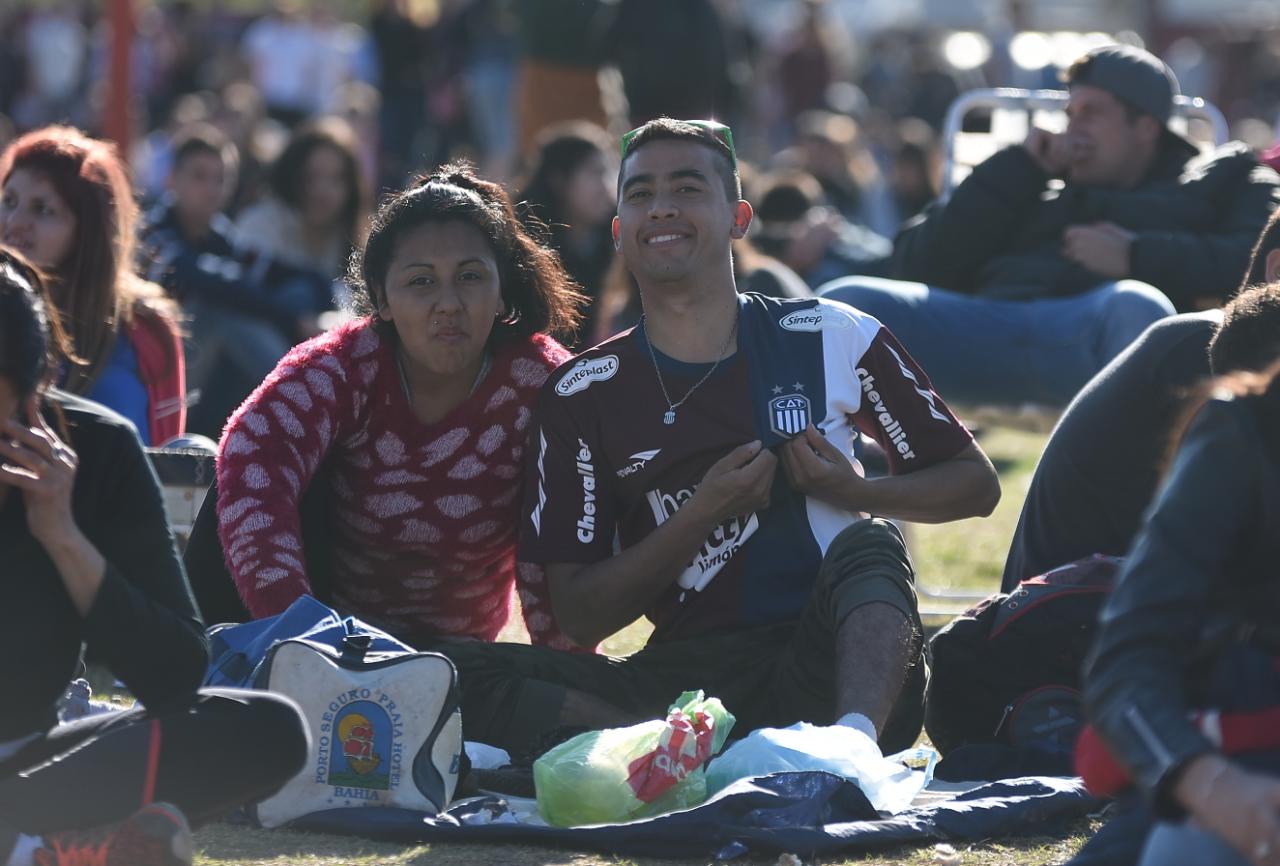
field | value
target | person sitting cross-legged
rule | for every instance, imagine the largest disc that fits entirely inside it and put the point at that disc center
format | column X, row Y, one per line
column 89, row 565
column 696, row 470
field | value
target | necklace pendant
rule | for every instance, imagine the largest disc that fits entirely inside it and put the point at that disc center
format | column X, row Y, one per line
column 670, row 417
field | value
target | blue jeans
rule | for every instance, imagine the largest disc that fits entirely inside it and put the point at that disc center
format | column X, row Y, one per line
column 978, row 350
column 1188, row 845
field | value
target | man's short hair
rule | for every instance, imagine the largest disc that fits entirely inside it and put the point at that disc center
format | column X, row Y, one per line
column 668, row 129
column 198, row 138
column 1249, row 337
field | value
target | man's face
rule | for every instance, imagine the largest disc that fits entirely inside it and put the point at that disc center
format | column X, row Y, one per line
column 674, row 219
column 199, row 186
column 1108, row 148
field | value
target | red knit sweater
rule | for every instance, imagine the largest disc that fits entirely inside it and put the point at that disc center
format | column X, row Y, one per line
column 423, row 517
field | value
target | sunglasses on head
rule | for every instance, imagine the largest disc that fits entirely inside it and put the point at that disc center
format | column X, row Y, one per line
column 719, row 130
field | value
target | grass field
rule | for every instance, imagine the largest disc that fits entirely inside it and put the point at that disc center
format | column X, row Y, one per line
column 966, row 556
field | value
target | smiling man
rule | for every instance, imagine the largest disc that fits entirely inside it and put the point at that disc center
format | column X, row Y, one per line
column 697, row 470
column 1053, row 256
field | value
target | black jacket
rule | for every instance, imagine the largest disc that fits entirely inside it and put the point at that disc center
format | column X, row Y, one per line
column 143, row 624
column 1202, row 576
column 1000, row 234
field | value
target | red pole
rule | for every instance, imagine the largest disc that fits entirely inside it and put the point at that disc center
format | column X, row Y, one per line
column 117, row 125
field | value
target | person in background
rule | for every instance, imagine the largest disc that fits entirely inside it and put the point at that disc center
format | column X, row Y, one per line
column 570, row 192
column 245, row 309
column 66, row 204
column 1019, row 288
column 1084, row 499
column 914, row 167
column 1191, row 626
column 89, row 561
column 318, row 202
column 813, row 239
column 833, row 148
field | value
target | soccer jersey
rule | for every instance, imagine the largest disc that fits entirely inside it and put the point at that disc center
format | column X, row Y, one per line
column 605, row 469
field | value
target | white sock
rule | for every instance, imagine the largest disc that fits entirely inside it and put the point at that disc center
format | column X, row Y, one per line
column 859, row 722
column 24, row 850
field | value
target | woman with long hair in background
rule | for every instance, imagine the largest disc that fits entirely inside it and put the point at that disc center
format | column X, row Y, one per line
column 66, row 204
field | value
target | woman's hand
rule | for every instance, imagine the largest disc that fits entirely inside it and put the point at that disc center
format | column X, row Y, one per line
column 34, row 460
column 1241, row 807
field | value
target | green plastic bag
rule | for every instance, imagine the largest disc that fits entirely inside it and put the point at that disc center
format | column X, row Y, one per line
column 620, row 774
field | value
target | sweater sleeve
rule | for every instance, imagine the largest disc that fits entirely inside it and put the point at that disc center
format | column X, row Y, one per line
column 143, row 610
column 270, row 451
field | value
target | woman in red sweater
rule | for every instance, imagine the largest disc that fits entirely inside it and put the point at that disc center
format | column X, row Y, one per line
column 418, row 411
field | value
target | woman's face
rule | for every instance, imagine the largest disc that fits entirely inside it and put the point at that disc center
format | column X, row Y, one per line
column 442, row 292
column 324, row 187
column 588, row 194
column 35, row 220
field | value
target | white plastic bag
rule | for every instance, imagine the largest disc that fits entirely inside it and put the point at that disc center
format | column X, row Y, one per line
column 889, row 785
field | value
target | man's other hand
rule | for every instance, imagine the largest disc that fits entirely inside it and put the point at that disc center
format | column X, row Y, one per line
column 819, row 469
column 1102, row 248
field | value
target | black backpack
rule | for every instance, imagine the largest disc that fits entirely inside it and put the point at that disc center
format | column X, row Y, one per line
column 1007, row 671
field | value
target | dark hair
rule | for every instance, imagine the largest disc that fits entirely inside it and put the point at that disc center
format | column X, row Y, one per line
column 1267, row 241
column 537, row 292
column 32, row 341
column 558, row 152
column 288, row 172
column 667, row 129
column 1262, row 384
column 95, row 290
column 1249, row 337
column 198, row 138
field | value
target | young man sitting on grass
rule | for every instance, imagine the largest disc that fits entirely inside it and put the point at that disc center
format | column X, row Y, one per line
column 696, row 470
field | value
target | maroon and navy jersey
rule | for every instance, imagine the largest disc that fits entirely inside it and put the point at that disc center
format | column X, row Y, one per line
column 604, row 470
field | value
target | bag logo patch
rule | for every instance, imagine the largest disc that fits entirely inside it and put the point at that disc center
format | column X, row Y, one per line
column 360, row 752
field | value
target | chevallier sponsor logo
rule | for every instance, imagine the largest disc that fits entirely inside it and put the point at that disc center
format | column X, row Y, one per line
column 587, row 524
column 889, row 424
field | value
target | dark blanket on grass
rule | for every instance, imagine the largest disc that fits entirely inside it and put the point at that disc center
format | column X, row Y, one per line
column 801, row 813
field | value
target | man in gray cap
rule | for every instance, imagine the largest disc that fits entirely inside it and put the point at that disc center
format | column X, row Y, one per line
column 1053, row 255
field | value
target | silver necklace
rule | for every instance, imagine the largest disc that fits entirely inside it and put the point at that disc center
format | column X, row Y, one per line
column 669, row 417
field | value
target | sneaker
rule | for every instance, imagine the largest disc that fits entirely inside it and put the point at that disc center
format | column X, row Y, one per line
column 155, row 835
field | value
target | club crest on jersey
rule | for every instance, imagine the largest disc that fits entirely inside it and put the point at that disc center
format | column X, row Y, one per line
column 816, row 318
column 789, row 414
column 583, row 373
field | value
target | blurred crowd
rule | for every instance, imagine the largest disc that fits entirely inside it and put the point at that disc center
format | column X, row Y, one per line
column 305, row 113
